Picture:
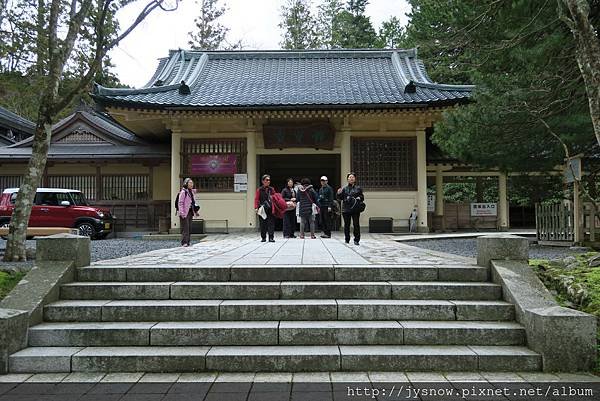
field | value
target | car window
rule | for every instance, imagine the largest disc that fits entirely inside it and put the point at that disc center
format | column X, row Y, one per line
column 13, row 198
column 64, row 197
column 78, row 198
column 47, row 199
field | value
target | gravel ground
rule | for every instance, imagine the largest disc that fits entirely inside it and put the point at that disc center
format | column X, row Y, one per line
column 468, row 247
column 102, row 249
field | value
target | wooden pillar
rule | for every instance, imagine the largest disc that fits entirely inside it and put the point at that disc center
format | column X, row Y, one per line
column 175, row 172
column 577, row 215
column 345, row 156
column 252, row 174
column 421, row 182
column 503, row 223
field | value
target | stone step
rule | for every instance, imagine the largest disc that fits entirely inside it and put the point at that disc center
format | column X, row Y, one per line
column 284, row 273
column 275, row 309
column 277, row 358
column 276, row 333
column 283, row 290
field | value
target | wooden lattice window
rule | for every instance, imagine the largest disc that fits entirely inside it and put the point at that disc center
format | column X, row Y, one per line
column 212, row 163
column 385, row 164
column 83, row 183
column 126, row 187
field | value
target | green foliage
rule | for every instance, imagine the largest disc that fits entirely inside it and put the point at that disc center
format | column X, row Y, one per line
column 392, row 34
column 354, row 29
column 209, row 34
column 299, row 25
column 8, row 281
column 530, row 96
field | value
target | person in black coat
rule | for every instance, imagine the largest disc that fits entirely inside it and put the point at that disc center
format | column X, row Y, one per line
column 325, row 201
column 289, row 218
column 262, row 197
column 307, row 196
column 351, row 196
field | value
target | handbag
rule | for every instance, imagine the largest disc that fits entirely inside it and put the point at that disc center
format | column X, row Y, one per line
column 291, row 205
column 315, row 209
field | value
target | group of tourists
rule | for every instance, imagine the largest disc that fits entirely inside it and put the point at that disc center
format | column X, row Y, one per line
column 300, row 202
column 296, row 203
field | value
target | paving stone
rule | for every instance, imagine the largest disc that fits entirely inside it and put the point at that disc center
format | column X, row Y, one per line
column 273, row 358
column 337, row 289
column 14, row 378
column 282, row 273
column 215, row 333
column 278, row 309
column 426, row 377
column 47, row 378
column 89, row 334
column 122, row 377
column 225, row 290
column 463, row 333
column 464, row 377
column 445, row 290
column 279, row 377
column 114, row 290
column 533, row 377
column 348, row 377
column 501, row 377
column 136, row 359
column 161, row 310
column 74, row 311
column 408, row 358
column 201, row 377
column 386, row 309
column 159, row 378
column 388, row 377
column 339, row 332
column 84, row 377
column 42, row 360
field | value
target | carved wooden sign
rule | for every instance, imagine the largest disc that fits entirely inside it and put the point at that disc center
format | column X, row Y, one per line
column 316, row 134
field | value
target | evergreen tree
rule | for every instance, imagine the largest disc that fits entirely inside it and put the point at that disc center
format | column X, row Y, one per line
column 353, row 28
column 209, row 34
column 327, row 21
column 392, row 34
column 299, row 25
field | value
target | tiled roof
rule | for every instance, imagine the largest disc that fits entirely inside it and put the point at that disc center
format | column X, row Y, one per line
column 261, row 79
column 11, row 120
column 97, row 152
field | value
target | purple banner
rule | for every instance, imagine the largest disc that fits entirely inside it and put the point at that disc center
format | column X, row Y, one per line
column 213, row 164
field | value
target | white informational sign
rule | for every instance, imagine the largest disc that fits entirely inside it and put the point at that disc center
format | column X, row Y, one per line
column 431, row 203
column 573, row 170
column 240, row 187
column 240, row 179
column 484, row 209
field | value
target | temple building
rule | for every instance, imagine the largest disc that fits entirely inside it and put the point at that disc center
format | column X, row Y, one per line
column 224, row 118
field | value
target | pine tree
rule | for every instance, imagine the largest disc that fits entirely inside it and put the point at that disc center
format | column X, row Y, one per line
column 392, row 34
column 299, row 26
column 353, row 28
column 209, row 34
column 327, row 21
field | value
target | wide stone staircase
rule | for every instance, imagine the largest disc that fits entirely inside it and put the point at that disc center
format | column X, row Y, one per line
column 278, row 318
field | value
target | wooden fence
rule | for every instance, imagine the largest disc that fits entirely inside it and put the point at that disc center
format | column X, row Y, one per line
column 554, row 223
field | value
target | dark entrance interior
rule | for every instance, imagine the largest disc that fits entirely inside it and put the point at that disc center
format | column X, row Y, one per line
column 297, row 166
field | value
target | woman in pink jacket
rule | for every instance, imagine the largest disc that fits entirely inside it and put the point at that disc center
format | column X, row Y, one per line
column 187, row 209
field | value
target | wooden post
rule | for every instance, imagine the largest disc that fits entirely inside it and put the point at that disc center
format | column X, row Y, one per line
column 592, row 224
column 577, row 220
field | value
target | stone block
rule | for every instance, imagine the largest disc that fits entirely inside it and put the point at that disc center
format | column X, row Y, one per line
column 484, row 310
column 74, row 311
column 64, row 247
column 507, row 359
column 102, row 274
column 462, row 333
column 273, row 359
column 115, row 290
column 282, row 273
column 278, row 309
column 387, row 309
column 225, row 290
column 43, row 360
column 501, row 247
column 335, row 289
column 13, row 334
column 177, row 273
column 385, row 273
column 89, row 334
column 161, row 310
column 445, row 290
column 339, row 332
column 215, row 333
column 463, row 273
column 140, row 359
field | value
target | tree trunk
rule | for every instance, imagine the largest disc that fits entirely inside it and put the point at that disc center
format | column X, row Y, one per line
column 588, row 55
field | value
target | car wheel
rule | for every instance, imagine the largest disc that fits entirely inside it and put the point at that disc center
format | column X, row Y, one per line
column 86, row 229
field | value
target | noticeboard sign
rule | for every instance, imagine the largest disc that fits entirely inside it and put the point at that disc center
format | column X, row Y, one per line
column 573, row 170
column 484, row 209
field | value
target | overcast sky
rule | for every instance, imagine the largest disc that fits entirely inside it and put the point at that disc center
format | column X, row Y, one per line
column 254, row 21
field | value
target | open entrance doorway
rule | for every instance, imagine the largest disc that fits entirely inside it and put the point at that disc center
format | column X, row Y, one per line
column 298, row 166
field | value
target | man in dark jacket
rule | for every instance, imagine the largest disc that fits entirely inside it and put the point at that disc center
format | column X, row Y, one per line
column 325, row 200
column 263, row 198
column 351, row 196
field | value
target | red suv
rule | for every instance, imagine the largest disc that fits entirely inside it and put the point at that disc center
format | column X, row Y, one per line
column 54, row 207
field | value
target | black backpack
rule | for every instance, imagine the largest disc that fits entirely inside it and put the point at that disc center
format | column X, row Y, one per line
column 177, row 202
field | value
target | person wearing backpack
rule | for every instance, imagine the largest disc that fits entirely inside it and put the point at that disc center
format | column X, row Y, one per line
column 262, row 198
column 186, row 210
column 309, row 207
column 352, row 199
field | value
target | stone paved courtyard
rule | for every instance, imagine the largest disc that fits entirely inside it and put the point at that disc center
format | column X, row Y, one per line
column 246, row 249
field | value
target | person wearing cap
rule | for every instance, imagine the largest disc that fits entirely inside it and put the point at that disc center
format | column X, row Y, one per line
column 325, row 200
column 262, row 197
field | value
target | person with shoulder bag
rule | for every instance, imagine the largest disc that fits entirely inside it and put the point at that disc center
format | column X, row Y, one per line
column 353, row 204
column 309, row 207
column 289, row 218
column 263, row 206
column 186, row 210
